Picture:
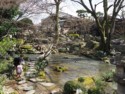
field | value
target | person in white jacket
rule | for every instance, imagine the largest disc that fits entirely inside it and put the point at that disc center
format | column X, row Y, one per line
column 19, row 70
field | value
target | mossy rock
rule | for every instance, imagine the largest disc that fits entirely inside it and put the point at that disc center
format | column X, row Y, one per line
column 20, row 41
column 88, row 82
column 42, row 75
column 60, row 68
column 62, row 50
column 74, row 35
column 106, row 60
column 27, row 46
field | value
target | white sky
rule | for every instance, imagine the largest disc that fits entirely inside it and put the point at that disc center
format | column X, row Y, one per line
column 67, row 7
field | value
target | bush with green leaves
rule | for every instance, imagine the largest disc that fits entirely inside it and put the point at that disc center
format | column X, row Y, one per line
column 2, row 81
column 108, row 76
column 70, row 87
column 26, row 20
column 6, row 44
column 9, row 13
column 41, row 64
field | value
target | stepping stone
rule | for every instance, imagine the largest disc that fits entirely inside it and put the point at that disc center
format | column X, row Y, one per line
column 34, row 70
column 21, row 87
column 28, row 88
column 31, row 65
column 30, row 92
column 33, row 80
column 47, row 84
column 56, row 91
column 22, row 82
column 8, row 90
column 40, row 80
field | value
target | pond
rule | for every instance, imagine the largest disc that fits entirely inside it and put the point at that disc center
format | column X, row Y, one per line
column 77, row 67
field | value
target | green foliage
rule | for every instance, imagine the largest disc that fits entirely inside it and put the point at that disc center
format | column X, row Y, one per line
column 108, row 76
column 41, row 64
column 27, row 21
column 9, row 13
column 94, row 91
column 27, row 46
column 81, row 79
column 2, row 81
column 6, row 44
column 70, row 87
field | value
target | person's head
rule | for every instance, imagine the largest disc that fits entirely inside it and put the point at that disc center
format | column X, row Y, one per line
column 21, row 55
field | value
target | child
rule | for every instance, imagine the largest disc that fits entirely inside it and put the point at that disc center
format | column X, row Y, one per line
column 19, row 70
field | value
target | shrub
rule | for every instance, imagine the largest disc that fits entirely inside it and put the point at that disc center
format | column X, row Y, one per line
column 70, row 87
column 81, row 79
column 27, row 21
column 41, row 64
column 108, row 76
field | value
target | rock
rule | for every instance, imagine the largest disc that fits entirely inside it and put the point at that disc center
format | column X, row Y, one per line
column 22, row 82
column 39, row 80
column 32, row 70
column 21, row 87
column 33, row 80
column 8, row 90
column 117, row 41
column 30, row 92
column 56, row 91
column 28, row 88
column 47, row 84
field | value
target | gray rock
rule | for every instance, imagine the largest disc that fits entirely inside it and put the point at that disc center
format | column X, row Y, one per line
column 28, row 88
column 22, row 82
column 47, row 84
column 30, row 92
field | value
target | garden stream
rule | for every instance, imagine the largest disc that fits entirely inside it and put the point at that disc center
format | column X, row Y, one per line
column 77, row 67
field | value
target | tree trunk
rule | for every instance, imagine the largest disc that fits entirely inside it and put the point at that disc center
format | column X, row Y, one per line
column 57, row 25
column 105, row 42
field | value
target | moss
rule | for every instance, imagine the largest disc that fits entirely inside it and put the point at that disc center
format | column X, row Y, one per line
column 89, row 82
column 20, row 41
column 60, row 68
column 42, row 75
column 27, row 46
column 106, row 60
column 74, row 35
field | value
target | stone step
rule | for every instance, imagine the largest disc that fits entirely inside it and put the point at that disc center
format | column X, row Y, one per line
column 28, row 88
column 30, row 92
column 47, row 84
column 22, row 82
column 36, row 80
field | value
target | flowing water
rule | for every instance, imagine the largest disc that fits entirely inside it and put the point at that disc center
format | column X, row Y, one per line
column 77, row 67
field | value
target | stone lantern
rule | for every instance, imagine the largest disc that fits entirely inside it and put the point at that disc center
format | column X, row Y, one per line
column 119, row 75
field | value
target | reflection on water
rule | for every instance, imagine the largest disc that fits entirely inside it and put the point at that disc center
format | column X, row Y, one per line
column 77, row 67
